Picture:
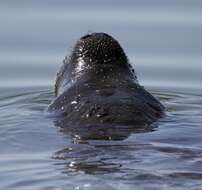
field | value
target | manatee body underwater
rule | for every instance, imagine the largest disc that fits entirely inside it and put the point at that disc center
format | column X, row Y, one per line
column 97, row 86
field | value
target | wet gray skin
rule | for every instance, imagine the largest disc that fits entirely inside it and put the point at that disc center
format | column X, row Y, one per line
column 96, row 88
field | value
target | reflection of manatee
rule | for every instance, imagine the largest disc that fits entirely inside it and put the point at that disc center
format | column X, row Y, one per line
column 97, row 86
column 100, row 131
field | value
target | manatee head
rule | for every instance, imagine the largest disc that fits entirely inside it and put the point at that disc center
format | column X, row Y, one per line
column 99, row 49
column 95, row 54
column 96, row 88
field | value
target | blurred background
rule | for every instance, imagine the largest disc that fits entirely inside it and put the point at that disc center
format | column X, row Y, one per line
column 161, row 38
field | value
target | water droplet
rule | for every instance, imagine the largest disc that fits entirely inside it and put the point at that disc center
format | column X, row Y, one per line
column 74, row 102
column 86, row 185
column 72, row 163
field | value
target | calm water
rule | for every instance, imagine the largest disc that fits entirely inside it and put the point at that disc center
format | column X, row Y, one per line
column 162, row 40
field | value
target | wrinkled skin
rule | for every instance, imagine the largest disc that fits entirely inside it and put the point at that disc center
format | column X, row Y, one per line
column 96, row 87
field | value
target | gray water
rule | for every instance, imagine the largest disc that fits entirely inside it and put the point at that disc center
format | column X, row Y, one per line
column 163, row 42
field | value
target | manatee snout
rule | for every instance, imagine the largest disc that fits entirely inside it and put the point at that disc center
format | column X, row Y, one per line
column 96, row 85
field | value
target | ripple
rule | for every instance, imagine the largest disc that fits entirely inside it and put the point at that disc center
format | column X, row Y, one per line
column 35, row 154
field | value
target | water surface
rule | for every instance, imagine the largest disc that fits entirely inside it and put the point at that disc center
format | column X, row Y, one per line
column 36, row 154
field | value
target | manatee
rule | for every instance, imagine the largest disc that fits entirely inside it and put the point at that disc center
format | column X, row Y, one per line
column 97, row 86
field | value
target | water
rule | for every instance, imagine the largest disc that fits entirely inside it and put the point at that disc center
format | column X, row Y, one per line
column 162, row 40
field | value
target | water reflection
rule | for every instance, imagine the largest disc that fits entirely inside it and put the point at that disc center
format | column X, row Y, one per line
column 95, row 157
column 97, row 149
column 100, row 131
